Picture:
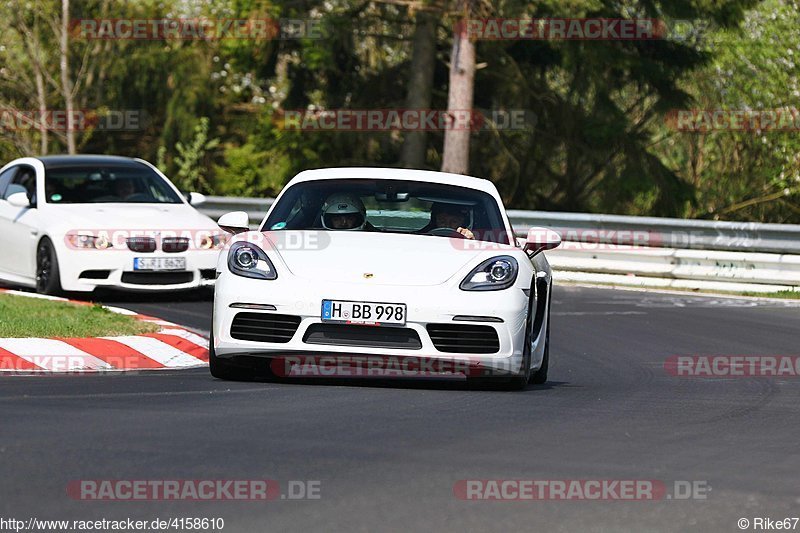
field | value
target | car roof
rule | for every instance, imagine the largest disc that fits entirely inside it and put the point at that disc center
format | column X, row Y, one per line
column 429, row 176
column 54, row 161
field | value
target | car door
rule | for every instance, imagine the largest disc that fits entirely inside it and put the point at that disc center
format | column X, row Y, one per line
column 19, row 227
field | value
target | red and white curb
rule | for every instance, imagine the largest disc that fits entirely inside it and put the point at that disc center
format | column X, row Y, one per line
column 171, row 347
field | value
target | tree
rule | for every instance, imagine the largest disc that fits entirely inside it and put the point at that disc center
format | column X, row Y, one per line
column 744, row 174
column 598, row 106
column 66, row 81
column 24, row 76
column 189, row 159
column 460, row 92
column 420, row 85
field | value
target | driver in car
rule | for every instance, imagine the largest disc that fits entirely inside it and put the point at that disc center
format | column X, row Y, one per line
column 124, row 188
column 344, row 212
column 451, row 216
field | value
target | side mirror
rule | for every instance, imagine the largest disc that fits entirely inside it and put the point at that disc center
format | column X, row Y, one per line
column 19, row 199
column 541, row 239
column 234, row 222
column 195, row 198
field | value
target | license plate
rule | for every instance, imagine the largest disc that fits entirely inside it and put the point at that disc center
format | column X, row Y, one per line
column 367, row 313
column 159, row 263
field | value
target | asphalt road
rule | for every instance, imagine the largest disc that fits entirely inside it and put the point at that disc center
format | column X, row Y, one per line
column 387, row 455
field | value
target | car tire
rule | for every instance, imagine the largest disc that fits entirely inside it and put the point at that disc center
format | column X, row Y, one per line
column 48, row 280
column 521, row 381
column 222, row 368
column 540, row 376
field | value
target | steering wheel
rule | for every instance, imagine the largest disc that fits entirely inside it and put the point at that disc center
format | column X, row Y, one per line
column 446, row 232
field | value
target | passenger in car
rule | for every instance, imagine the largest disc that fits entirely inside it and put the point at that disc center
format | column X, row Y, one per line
column 345, row 212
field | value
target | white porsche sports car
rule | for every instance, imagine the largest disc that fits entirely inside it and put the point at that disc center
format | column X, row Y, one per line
column 383, row 272
column 76, row 223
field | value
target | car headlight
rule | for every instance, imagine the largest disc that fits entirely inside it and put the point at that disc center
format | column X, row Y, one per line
column 250, row 261
column 215, row 242
column 88, row 241
column 493, row 274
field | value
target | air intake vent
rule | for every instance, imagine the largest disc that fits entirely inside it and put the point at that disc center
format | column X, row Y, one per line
column 264, row 327
column 173, row 245
column 365, row 336
column 464, row 338
column 95, row 274
column 142, row 244
column 157, row 278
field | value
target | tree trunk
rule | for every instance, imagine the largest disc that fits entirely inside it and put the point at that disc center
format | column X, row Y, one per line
column 420, row 86
column 459, row 101
column 66, row 84
column 42, row 101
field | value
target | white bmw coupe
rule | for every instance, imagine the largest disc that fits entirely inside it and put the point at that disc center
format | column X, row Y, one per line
column 383, row 272
column 76, row 223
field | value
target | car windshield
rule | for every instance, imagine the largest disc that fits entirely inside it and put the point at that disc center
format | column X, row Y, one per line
column 389, row 206
column 107, row 183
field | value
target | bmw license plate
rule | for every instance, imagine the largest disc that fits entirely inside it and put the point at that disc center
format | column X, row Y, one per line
column 367, row 313
column 159, row 263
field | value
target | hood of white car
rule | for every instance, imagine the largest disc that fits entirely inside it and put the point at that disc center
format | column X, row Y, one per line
column 116, row 216
column 364, row 257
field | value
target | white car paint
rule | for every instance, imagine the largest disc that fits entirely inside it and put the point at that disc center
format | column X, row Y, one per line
column 424, row 272
column 22, row 228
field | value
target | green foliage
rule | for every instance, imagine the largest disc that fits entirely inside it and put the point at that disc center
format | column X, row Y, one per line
column 600, row 141
column 745, row 175
column 190, row 158
column 247, row 171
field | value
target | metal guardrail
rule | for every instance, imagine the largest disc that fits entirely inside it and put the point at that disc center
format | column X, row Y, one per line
column 665, row 232
column 641, row 250
column 216, row 206
column 611, row 229
column 671, row 263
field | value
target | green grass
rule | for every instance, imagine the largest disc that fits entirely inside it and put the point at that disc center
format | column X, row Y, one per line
column 788, row 295
column 33, row 317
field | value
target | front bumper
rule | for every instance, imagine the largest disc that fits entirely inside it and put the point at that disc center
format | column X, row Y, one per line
column 115, row 268
column 437, row 304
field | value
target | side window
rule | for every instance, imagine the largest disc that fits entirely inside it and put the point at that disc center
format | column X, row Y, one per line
column 23, row 181
column 5, row 179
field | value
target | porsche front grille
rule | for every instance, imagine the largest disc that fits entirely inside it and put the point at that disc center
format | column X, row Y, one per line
column 264, row 327
column 464, row 338
column 363, row 336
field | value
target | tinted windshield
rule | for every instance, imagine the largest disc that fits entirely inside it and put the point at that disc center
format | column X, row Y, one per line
column 390, row 207
column 107, row 183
